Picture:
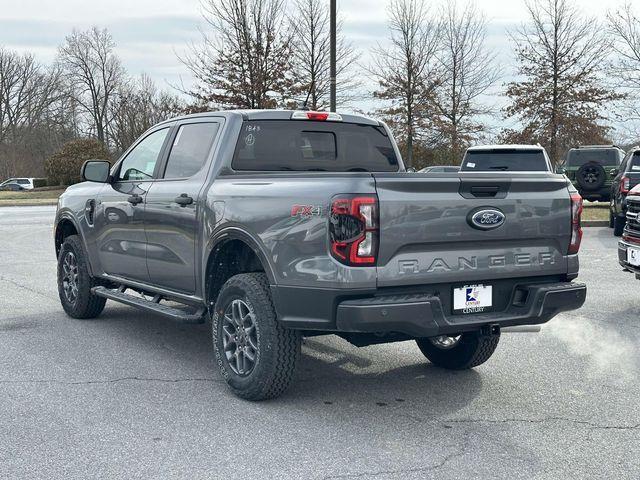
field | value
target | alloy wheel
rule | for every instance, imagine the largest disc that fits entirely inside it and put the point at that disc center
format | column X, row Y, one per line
column 445, row 342
column 70, row 277
column 239, row 338
column 590, row 175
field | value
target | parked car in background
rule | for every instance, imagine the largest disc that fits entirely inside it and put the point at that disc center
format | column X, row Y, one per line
column 25, row 183
column 512, row 158
column 440, row 169
column 590, row 169
column 11, row 187
column 626, row 177
column 629, row 245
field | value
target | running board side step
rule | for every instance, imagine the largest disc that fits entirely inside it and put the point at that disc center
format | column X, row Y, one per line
column 154, row 305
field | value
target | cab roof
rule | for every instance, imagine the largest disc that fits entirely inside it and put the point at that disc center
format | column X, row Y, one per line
column 505, row 147
column 249, row 115
column 596, row 147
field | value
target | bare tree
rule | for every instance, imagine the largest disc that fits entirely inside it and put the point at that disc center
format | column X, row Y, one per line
column 94, row 73
column 26, row 93
column 245, row 61
column 29, row 101
column 467, row 72
column 560, row 101
column 310, row 56
column 405, row 70
column 624, row 26
column 138, row 106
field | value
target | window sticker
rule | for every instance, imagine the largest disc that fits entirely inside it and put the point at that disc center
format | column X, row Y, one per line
column 471, row 165
column 635, row 167
column 249, row 140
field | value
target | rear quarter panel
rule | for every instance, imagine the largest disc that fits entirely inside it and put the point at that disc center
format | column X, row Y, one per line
column 267, row 207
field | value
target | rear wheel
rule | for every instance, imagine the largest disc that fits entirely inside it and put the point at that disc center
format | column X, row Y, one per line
column 75, row 281
column 611, row 218
column 618, row 225
column 459, row 352
column 256, row 355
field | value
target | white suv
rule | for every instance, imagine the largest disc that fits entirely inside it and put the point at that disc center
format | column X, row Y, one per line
column 25, row 183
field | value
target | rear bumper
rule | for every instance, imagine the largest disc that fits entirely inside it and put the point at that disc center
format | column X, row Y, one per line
column 424, row 316
column 601, row 193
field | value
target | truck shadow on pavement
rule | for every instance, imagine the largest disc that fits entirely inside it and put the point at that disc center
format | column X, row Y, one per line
column 380, row 375
column 331, row 371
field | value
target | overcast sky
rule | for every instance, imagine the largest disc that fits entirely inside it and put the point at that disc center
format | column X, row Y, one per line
column 148, row 33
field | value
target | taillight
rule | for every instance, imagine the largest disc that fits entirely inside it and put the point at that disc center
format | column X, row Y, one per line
column 576, row 228
column 353, row 229
column 625, row 185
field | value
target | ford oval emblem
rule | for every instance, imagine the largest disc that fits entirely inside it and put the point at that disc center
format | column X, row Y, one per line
column 486, row 218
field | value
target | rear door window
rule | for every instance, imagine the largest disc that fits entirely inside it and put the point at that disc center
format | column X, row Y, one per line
column 289, row 145
column 190, row 149
column 512, row 160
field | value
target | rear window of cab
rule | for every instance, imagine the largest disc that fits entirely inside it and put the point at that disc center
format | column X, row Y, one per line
column 503, row 159
column 290, row 145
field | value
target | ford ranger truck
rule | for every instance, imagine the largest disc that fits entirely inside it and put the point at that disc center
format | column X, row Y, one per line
column 277, row 225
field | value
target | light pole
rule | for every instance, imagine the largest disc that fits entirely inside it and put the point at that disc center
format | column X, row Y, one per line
column 332, row 60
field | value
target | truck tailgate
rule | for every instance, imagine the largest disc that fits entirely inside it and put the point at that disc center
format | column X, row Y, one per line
column 427, row 234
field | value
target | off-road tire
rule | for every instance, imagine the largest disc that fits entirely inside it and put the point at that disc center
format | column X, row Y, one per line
column 86, row 305
column 472, row 349
column 618, row 225
column 591, row 177
column 278, row 348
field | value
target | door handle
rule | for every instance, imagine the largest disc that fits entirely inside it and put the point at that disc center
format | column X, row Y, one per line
column 134, row 199
column 184, row 200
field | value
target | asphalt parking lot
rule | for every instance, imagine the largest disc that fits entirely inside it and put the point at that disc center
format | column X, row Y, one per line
column 130, row 395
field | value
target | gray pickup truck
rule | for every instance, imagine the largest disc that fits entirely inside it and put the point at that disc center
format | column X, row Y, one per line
column 278, row 225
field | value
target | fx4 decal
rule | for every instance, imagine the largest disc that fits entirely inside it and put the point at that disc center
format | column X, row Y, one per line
column 306, row 211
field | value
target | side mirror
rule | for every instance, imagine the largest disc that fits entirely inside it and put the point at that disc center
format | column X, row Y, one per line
column 411, row 170
column 561, row 170
column 96, row 171
column 614, row 171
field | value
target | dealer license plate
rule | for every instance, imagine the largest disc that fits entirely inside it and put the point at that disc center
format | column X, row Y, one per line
column 633, row 256
column 474, row 298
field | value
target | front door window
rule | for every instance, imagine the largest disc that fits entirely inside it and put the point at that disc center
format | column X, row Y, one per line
column 140, row 163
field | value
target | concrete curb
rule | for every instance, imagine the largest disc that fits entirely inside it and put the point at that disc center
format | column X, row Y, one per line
column 35, row 203
column 595, row 223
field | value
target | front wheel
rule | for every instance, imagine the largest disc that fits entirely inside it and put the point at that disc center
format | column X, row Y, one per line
column 75, row 281
column 459, row 352
column 256, row 355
